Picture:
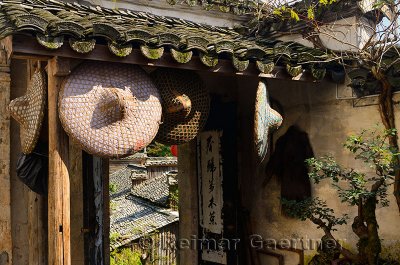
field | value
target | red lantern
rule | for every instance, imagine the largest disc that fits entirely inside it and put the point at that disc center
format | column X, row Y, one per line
column 174, row 150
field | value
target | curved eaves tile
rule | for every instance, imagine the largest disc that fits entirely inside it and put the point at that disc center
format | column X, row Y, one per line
column 29, row 22
column 138, row 35
column 181, row 57
column 106, row 30
column 66, row 28
column 152, row 53
column 120, row 50
column 82, row 46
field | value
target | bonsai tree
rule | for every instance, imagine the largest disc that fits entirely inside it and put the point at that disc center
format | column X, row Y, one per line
column 355, row 188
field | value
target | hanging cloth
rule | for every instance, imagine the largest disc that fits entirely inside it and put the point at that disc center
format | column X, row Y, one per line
column 33, row 169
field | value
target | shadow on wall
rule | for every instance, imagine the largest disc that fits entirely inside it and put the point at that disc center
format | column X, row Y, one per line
column 287, row 163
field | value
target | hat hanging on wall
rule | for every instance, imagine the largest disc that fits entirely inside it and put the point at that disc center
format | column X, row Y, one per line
column 186, row 104
column 265, row 119
column 28, row 111
column 110, row 110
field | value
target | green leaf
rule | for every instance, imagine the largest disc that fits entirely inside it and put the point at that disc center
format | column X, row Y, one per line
column 294, row 15
column 158, row 150
column 277, row 12
column 310, row 13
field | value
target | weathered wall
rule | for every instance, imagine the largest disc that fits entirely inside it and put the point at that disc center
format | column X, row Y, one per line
column 154, row 172
column 327, row 120
column 5, row 187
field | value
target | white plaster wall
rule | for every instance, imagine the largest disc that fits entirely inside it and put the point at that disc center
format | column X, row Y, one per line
column 349, row 34
column 328, row 121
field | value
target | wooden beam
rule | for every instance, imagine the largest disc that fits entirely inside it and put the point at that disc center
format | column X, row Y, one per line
column 6, row 241
column 28, row 47
column 59, row 185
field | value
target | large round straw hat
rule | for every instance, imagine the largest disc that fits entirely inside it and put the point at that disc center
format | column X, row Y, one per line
column 186, row 104
column 28, row 110
column 265, row 119
column 110, row 110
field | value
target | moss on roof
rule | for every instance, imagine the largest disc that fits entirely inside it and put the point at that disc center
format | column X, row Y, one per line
column 55, row 23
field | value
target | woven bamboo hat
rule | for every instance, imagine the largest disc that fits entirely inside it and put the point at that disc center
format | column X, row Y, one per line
column 28, row 111
column 110, row 110
column 186, row 104
column 265, row 119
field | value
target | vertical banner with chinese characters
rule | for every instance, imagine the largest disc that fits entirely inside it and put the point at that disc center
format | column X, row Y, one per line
column 210, row 185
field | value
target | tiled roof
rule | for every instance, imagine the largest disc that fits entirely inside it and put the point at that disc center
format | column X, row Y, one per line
column 133, row 217
column 155, row 190
column 122, row 179
column 161, row 161
column 53, row 23
column 252, row 7
column 136, row 156
column 122, row 182
column 238, row 7
column 271, row 26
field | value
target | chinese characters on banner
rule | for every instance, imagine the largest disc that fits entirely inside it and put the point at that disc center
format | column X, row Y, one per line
column 210, row 176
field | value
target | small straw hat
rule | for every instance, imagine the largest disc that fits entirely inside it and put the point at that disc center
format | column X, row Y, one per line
column 265, row 119
column 28, row 111
column 110, row 110
column 186, row 104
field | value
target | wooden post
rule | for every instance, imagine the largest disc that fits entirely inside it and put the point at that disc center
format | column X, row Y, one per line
column 188, row 203
column 59, row 186
column 37, row 242
column 98, row 251
column 5, row 180
column 77, row 209
column 106, row 208
column 37, row 233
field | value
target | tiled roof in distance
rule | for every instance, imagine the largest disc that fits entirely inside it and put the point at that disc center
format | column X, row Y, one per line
column 133, row 217
column 155, row 190
column 161, row 161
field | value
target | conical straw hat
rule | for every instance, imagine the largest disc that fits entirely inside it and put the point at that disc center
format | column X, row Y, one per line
column 186, row 104
column 110, row 110
column 265, row 119
column 28, row 111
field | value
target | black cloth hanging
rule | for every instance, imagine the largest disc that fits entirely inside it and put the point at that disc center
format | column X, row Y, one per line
column 33, row 169
column 288, row 164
